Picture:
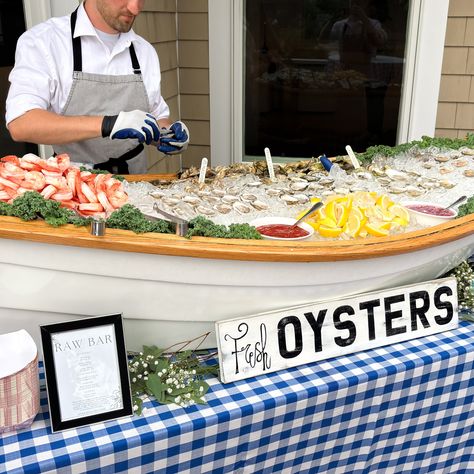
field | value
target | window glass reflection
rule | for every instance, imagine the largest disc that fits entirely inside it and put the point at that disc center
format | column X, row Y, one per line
column 321, row 74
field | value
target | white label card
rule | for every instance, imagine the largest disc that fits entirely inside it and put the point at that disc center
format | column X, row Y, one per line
column 264, row 343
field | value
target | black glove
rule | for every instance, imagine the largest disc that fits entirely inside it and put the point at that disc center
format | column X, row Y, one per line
column 135, row 124
column 175, row 139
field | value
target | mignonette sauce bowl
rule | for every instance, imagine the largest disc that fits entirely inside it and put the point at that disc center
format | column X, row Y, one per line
column 428, row 218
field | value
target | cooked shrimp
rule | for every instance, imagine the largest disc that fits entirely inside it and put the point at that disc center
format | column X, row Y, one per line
column 51, row 164
column 48, row 191
column 69, row 204
column 88, row 193
column 31, row 158
column 71, row 179
column 53, row 174
column 11, row 159
column 101, row 192
column 63, row 161
column 8, row 184
column 9, row 170
column 58, row 182
column 78, row 187
column 91, row 206
column 34, row 180
column 62, row 195
column 118, row 199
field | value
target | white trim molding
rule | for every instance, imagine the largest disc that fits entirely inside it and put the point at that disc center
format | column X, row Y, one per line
column 220, row 80
column 422, row 76
column 36, row 11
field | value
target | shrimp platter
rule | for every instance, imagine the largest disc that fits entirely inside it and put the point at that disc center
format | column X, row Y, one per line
column 55, row 178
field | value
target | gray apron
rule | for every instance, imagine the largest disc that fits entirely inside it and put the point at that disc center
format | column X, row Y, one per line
column 101, row 94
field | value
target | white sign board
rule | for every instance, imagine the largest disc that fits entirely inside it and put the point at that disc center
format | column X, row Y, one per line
column 276, row 340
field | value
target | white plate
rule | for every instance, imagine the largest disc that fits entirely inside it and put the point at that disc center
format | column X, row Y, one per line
column 282, row 220
column 423, row 218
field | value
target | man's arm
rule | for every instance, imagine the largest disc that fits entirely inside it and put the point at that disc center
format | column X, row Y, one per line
column 40, row 126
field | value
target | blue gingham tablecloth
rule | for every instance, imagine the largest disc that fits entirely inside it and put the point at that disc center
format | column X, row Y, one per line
column 402, row 408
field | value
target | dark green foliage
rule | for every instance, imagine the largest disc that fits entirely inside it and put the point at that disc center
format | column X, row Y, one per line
column 129, row 217
column 31, row 205
column 203, row 227
column 425, row 142
column 466, row 208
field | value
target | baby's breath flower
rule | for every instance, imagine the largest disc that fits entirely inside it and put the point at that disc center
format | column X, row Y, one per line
column 179, row 372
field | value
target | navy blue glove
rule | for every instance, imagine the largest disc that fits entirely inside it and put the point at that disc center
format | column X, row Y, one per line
column 135, row 124
column 175, row 139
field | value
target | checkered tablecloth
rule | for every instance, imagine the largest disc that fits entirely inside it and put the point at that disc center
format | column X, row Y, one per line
column 402, row 408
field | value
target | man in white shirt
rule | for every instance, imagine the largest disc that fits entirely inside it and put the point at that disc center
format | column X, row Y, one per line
column 359, row 37
column 91, row 87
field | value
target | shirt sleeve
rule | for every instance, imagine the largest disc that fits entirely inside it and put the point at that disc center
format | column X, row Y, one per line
column 152, row 79
column 31, row 80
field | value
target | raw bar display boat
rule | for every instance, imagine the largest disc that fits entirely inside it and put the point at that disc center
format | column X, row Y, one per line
column 171, row 289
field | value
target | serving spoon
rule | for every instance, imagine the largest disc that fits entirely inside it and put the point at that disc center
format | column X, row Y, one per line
column 458, row 201
column 313, row 208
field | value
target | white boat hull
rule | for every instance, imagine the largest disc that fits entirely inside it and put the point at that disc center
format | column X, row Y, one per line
column 166, row 299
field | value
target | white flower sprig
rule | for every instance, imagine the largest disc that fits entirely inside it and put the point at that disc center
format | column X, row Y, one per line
column 465, row 278
column 171, row 377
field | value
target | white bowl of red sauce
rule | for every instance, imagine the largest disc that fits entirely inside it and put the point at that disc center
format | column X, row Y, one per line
column 280, row 228
column 428, row 213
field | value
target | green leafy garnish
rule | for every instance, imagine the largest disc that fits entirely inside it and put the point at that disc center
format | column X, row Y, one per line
column 31, row 205
column 466, row 208
column 203, row 227
column 425, row 142
column 129, row 217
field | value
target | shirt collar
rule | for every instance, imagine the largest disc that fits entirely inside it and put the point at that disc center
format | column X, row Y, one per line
column 84, row 27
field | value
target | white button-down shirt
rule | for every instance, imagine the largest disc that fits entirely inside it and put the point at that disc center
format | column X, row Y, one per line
column 42, row 76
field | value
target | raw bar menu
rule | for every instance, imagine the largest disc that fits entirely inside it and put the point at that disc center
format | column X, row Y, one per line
column 87, row 371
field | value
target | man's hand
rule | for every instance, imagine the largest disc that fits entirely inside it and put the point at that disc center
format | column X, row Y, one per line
column 135, row 124
column 175, row 139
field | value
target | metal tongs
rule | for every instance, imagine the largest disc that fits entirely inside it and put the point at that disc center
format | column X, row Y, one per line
column 182, row 225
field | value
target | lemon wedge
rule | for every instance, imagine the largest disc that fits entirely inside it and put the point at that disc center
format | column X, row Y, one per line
column 354, row 225
column 384, row 201
column 377, row 231
column 399, row 211
column 327, row 231
column 328, row 222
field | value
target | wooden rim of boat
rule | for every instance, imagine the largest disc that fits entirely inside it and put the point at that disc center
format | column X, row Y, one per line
column 235, row 249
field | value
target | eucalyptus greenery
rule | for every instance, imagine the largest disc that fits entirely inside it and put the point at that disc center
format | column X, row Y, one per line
column 171, row 377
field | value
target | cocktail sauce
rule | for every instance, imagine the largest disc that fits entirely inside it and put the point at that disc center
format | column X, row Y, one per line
column 429, row 209
column 282, row 231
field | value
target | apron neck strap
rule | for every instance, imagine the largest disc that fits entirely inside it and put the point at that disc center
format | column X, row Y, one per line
column 76, row 43
column 77, row 49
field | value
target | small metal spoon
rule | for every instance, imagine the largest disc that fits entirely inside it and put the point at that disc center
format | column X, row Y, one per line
column 458, row 201
column 313, row 208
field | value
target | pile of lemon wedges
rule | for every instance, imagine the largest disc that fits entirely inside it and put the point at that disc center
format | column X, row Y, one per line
column 358, row 214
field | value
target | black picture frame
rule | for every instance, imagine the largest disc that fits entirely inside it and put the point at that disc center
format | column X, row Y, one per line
column 80, row 358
